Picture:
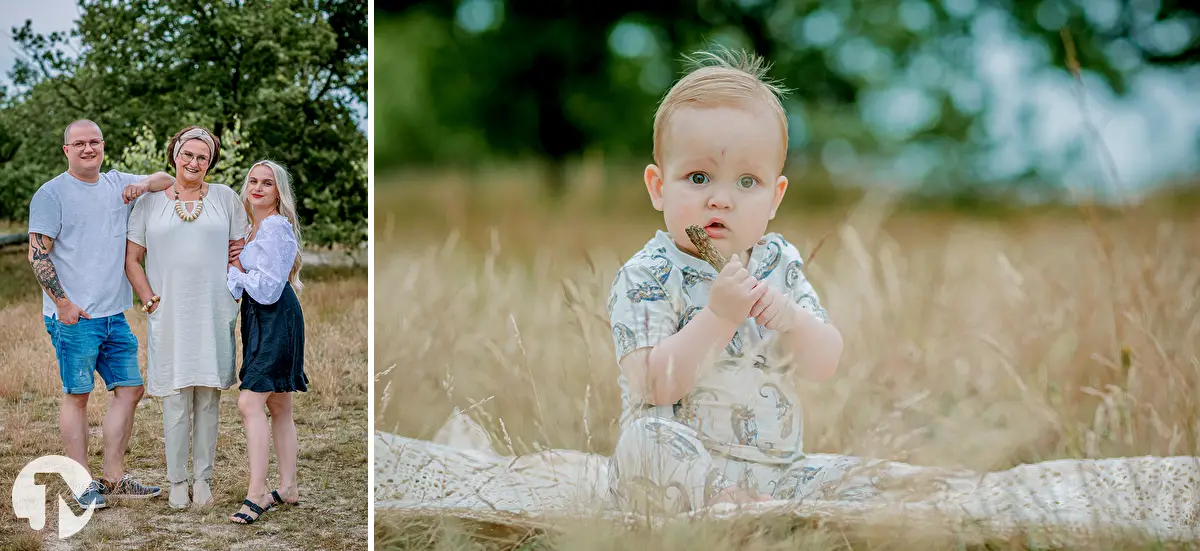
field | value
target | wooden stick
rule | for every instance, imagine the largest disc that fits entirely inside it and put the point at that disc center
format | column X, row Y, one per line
column 705, row 248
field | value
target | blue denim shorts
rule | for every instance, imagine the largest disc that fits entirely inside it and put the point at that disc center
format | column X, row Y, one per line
column 100, row 345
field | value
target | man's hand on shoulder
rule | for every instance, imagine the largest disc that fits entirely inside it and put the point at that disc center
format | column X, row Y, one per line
column 133, row 191
column 158, row 181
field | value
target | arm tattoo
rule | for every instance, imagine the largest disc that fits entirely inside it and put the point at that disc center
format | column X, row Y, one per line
column 43, row 268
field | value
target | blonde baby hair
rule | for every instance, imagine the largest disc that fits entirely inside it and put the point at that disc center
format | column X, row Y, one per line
column 720, row 77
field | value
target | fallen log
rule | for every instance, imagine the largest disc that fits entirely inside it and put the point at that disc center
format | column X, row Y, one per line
column 13, row 239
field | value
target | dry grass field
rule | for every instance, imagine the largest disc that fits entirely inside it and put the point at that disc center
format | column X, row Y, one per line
column 331, row 427
column 978, row 342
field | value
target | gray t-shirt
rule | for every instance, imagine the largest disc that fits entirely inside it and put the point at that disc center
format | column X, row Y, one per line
column 87, row 222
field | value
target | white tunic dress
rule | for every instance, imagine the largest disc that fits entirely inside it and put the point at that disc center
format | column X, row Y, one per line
column 191, row 333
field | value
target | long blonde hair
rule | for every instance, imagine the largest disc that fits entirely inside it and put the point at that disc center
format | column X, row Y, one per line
column 287, row 207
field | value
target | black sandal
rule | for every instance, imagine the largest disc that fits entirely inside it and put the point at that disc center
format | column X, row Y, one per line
column 279, row 499
column 258, row 512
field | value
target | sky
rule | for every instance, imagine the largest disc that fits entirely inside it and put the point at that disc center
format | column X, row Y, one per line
column 47, row 16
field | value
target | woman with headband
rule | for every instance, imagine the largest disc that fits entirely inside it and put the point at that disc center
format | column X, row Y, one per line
column 184, row 235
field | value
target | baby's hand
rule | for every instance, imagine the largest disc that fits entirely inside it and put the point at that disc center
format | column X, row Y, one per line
column 774, row 311
column 734, row 292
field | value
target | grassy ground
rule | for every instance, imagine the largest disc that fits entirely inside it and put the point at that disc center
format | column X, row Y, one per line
column 331, row 427
column 980, row 342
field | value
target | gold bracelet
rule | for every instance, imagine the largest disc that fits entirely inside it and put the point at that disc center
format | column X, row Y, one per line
column 146, row 306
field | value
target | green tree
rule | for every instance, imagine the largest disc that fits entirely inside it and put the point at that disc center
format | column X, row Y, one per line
column 290, row 71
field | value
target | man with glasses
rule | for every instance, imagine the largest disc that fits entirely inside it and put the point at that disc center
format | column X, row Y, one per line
column 77, row 249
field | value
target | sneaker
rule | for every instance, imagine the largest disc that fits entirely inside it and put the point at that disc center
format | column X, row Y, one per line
column 92, row 495
column 127, row 487
column 179, row 495
column 201, row 493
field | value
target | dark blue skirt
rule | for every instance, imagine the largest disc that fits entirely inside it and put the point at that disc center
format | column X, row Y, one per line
column 273, row 344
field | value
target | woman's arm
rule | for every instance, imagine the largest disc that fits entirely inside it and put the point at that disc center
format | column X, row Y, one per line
column 134, row 254
column 235, row 252
column 234, row 277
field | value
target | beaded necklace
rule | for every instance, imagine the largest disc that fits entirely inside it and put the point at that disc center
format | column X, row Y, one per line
column 185, row 215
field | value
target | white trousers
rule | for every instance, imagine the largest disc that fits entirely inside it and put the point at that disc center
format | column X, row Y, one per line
column 190, row 420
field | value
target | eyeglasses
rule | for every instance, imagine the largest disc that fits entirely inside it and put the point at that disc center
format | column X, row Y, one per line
column 78, row 145
column 188, row 158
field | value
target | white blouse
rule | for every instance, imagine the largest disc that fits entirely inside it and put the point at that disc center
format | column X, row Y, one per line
column 268, row 260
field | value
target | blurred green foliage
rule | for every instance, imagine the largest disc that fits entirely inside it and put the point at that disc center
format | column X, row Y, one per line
column 471, row 81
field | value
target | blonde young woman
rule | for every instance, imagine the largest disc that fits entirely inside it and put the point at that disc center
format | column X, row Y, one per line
column 184, row 235
column 266, row 277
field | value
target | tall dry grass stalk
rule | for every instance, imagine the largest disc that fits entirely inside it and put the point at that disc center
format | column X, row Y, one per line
column 970, row 343
column 331, row 423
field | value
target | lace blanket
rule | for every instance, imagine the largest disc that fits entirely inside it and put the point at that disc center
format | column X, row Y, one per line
column 1059, row 502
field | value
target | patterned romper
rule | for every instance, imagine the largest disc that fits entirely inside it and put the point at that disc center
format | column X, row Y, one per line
column 741, row 422
column 741, row 425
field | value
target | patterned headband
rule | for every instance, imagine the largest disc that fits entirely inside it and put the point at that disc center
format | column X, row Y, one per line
column 195, row 133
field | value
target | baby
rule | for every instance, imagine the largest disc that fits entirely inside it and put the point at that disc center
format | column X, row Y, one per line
column 708, row 359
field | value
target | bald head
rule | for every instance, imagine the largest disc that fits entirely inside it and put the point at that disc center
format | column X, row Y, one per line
column 83, row 144
column 80, row 124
